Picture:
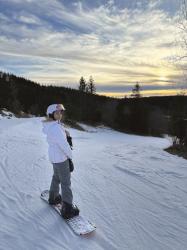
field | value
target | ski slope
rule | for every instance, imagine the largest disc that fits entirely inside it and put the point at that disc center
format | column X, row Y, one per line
column 134, row 191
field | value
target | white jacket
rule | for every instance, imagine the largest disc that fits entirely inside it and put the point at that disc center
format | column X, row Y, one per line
column 59, row 149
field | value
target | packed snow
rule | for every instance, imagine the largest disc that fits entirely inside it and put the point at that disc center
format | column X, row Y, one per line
column 134, row 191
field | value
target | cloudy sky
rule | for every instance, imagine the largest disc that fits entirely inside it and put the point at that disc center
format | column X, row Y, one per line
column 118, row 42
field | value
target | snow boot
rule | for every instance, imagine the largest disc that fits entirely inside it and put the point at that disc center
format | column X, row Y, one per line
column 69, row 211
column 54, row 200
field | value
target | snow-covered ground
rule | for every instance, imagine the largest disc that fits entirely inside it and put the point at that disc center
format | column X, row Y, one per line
column 134, row 192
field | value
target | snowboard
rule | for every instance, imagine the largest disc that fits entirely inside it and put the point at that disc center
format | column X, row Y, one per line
column 79, row 224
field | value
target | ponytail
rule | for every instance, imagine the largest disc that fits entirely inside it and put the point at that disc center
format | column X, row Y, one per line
column 52, row 116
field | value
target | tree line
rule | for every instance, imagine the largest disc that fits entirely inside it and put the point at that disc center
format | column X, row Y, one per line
column 140, row 115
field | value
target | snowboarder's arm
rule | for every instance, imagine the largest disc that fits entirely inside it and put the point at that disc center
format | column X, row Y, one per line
column 60, row 138
column 67, row 133
column 69, row 138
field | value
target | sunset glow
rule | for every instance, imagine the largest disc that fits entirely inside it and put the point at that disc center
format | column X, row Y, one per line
column 118, row 42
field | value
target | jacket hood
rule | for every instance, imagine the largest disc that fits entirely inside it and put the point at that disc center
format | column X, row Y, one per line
column 47, row 125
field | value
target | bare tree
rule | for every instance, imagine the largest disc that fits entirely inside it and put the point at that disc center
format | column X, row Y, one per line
column 183, row 29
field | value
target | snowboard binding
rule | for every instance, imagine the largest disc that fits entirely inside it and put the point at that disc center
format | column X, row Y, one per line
column 54, row 200
column 69, row 211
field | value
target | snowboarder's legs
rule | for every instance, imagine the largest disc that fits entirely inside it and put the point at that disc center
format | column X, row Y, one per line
column 64, row 176
column 54, row 196
column 54, row 188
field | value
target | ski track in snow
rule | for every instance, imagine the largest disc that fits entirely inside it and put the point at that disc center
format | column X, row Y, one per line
column 134, row 191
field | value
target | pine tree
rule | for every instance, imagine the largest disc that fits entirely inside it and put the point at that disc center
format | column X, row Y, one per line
column 136, row 91
column 91, row 86
column 87, row 90
column 82, row 84
column 13, row 101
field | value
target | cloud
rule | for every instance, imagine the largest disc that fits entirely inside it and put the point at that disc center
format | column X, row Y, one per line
column 29, row 19
column 110, row 43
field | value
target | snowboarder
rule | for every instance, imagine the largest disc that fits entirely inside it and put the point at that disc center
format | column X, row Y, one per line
column 60, row 155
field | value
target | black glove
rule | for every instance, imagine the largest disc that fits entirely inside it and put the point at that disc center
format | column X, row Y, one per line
column 71, row 166
column 69, row 139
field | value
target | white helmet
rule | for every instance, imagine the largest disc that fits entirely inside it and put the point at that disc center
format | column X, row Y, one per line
column 54, row 107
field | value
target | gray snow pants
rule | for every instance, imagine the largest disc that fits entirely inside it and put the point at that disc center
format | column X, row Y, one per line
column 61, row 175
